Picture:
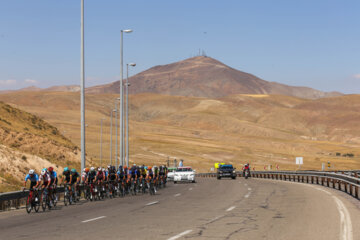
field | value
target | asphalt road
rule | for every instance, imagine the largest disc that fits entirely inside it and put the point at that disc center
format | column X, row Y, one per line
column 208, row 209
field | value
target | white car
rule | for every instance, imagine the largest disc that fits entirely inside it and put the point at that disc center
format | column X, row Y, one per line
column 184, row 174
column 170, row 174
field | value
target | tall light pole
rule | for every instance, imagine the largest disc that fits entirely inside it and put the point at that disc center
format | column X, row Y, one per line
column 101, row 123
column 82, row 89
column 116, row 134
column 127, row 110
column 111, row 135
column 122, row 96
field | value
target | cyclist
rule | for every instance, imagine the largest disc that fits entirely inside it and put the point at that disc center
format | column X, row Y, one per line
column 143, row 174
column 138, row 175
column 100, row 176
column 162, row 174
column 53, row 183
column 156, row 176
column 246, row 168
column 91, row 175
column 120, row 173
column 91, row 178
column 150, row 176
column 45, row 182
column 75, row 180
column 166, row 173
column 85, row 175
column 66, row 179
column 132, row 175
column 34, row 179
column 121, row 177
column 112, row 178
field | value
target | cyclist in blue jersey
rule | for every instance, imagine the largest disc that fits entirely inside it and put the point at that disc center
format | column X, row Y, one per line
column 33, row 177
column 53, row 182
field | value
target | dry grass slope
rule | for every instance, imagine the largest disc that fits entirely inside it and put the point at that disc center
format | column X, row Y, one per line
column 260, row 129
column 27, row 140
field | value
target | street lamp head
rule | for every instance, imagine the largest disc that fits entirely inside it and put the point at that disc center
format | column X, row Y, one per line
column 132, row 64
column 127, row 30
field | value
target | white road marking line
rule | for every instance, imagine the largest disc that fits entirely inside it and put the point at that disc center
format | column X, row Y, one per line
column 249, row 189
column 214, row 219
column 346, row 232
column 190, row 189
column 178, row 194
column 247, row 195
column 180, row 235
column 152, row 203
column 93, row 219
column 345, row 220
column 230, row 209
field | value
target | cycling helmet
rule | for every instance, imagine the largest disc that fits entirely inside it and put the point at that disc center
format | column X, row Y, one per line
column 86, row 170
column 104, row 169
column 31, row 171
column 51, row 169
column 66, row 169
column 146, row 167
column 43, row 172
column 134, row 164
column 125, row 167
column 149, row 167
column 99, row 169
column 92, row 169
column 45, row 169
column 73, row 170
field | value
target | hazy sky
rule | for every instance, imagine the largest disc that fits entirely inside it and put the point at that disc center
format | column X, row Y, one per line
column 308, row 43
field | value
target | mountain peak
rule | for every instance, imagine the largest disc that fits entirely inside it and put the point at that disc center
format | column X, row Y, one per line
column 203, row 76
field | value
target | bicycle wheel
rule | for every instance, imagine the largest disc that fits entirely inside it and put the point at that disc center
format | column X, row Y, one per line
column 43, row 201
column 66, row 194
column 54, row 199
column 29, row 204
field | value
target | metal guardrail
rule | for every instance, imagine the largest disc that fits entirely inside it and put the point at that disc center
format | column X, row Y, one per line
column 14, row 200
column 338, row 180
column 341, row 180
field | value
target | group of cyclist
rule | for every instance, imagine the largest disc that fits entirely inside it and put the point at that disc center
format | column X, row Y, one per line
column 135, row 176
column 110, row 178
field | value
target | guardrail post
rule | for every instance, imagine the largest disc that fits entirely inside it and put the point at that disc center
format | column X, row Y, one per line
column 357, row 192
column 334, row 182
column 351, row 190
column 328, row 182
column 346, row 187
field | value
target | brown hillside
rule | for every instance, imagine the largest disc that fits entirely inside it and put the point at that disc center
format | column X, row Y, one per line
column 205, row 77
column 260, row 129
column 25, row 141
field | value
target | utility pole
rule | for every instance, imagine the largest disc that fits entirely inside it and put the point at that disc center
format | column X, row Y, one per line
column 116, row 134
column 127, row 110
column 82, row 89
column 111, row 136
column 121, row 146
column 101, row 123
